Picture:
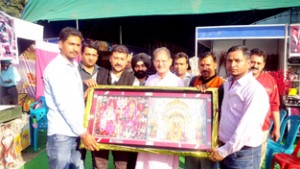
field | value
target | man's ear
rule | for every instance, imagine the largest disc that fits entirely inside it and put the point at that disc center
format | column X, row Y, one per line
column 60, row 43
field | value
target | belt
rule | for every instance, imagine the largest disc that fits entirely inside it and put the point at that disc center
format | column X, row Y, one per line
column 243, row 148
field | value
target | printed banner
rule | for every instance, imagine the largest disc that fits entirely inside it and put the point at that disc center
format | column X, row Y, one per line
column 8, row 40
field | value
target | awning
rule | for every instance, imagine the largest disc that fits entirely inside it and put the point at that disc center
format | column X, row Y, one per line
column 57, row 10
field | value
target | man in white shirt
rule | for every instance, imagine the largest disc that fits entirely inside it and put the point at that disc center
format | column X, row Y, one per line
column 64, row 97
column 164, row 77
column 244, row 109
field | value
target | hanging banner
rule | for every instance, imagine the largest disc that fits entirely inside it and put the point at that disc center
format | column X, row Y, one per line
column 8, row 40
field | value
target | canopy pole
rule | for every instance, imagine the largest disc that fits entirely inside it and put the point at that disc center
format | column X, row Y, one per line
column 77, row 24
column 120, row 34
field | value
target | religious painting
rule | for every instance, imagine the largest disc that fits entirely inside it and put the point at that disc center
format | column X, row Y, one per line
column 174, row 120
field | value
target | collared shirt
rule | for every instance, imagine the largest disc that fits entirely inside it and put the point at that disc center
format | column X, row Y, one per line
column 64, row 97
column 169, row 80
column 151, row 160
column 10, row 74
column 86, row 75
column 187, row 79
column 244, row 108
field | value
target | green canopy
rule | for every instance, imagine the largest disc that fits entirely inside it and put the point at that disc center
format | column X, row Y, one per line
column 56, row 10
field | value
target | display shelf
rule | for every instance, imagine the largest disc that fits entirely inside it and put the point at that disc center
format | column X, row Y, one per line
column 293, row 64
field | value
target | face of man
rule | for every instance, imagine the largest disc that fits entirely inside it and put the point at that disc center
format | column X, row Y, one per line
column 140, row 70
column 89, row 57
column 207, row 67
column 180, row 66
column 237, row 64
column 162, row 63
column 257, row 64
column 118, row 61
column 4, row 66
column 70, row 48
column 128, row 64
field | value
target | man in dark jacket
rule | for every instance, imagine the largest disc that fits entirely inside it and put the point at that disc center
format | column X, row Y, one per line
column 116, row 76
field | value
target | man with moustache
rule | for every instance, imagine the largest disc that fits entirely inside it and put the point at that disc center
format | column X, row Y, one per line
column 258, row 62
column 65, row 100
column 116, row 76
column 244, row 109
column 207, row 67
column 164, row 77
column 208, row 77
column 140, row 64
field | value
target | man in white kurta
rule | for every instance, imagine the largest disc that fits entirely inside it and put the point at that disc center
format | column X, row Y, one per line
column 164, row 77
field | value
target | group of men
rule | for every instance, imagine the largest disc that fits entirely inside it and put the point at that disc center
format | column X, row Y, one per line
column 248, row 99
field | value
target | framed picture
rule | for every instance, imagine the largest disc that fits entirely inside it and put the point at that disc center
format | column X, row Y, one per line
column 294, row 43
column 168, row 120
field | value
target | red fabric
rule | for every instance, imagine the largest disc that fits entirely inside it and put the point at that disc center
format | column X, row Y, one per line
column 270, row 85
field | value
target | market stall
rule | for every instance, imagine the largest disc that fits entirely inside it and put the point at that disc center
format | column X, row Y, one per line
column 14, row 124
column 270, row 38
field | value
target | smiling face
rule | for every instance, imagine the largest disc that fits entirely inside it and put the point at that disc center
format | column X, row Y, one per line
column 70, row 48
column 162, row 63
column 237, row 64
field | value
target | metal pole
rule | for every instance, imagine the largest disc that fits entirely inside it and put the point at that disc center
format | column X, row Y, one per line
column 77, row 24
column 120, row 34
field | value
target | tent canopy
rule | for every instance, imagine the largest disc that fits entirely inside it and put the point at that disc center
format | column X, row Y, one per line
column 58, row 10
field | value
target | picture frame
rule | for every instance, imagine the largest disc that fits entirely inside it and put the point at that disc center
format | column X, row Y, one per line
column 166, row 120
column 294, row 41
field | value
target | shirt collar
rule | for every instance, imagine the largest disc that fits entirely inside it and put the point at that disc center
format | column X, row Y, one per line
column 66, row 61
column 243, row 80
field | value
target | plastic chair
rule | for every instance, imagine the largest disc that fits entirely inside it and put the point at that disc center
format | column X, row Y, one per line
column 285, row 146
column 287, row 161
column 38, row 118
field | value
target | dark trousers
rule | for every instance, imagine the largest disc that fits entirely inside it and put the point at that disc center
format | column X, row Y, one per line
column 8, row 95
column 100, row 159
